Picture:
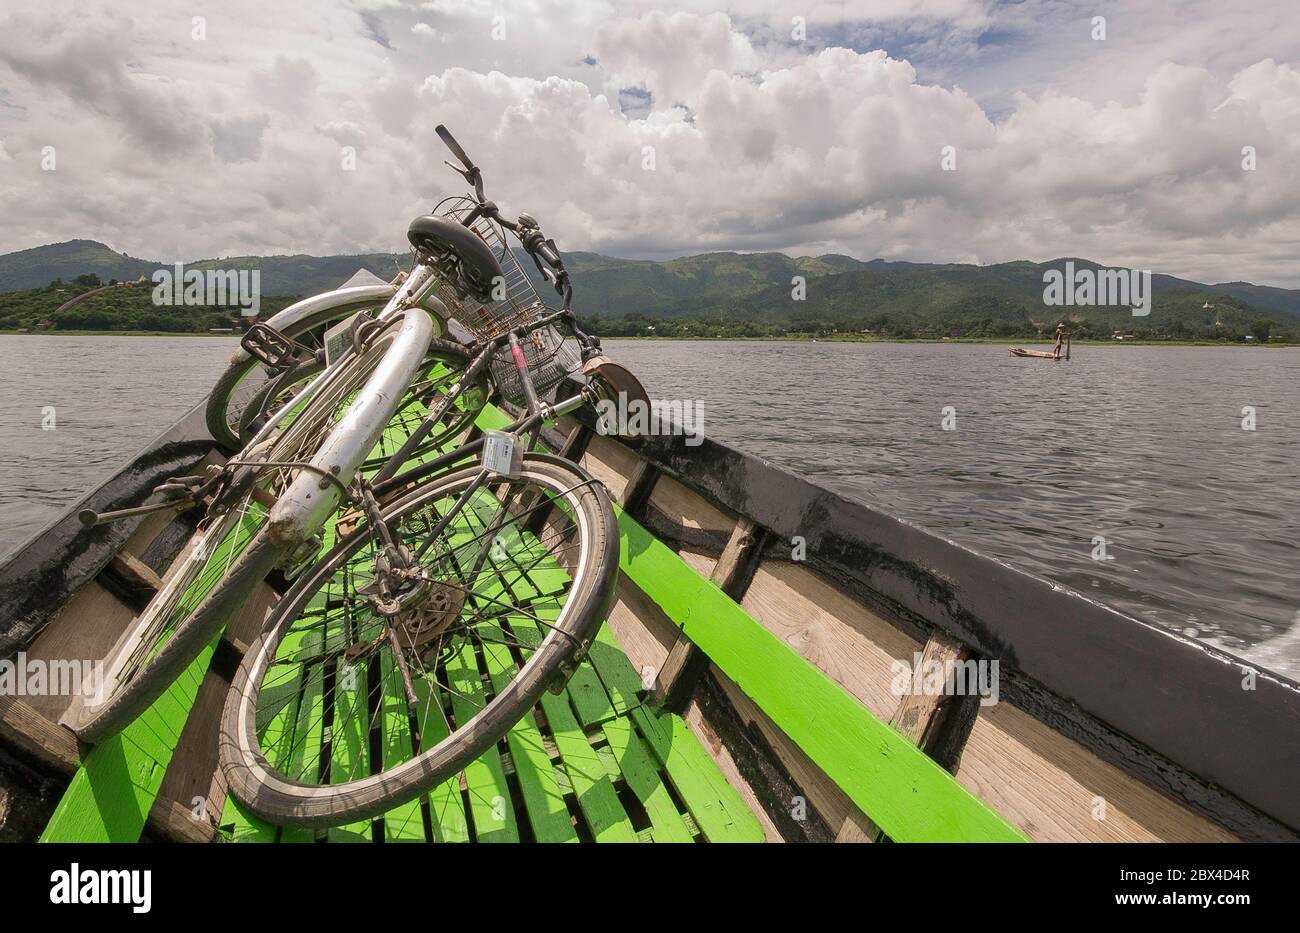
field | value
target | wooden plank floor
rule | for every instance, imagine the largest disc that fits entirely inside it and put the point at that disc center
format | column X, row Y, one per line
column 594, row 763
column 563, row 775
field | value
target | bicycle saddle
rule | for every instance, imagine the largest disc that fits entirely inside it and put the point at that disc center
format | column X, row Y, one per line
column 458, row 252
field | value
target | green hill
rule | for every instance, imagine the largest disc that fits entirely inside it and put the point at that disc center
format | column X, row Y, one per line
column 280, row 275
column 999, row 300
column 124, row 307
column 36, row 268
column 717, row 293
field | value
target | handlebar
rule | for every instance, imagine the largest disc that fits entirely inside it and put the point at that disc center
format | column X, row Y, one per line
column 470, row 173
column 526, row 229
column 445, row 135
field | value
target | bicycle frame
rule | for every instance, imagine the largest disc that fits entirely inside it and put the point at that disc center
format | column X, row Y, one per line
column 529, row 425
column 413, row 290
column 387, row 479
column 312, row 496
column 380, row 294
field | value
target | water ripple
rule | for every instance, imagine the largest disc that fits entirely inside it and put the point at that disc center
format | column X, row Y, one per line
column 1140, row 445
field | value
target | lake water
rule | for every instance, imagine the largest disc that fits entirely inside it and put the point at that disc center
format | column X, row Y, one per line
column 1141, row 446
column 110, row 396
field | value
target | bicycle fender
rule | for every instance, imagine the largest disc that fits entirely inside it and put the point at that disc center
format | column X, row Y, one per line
column 311, row 497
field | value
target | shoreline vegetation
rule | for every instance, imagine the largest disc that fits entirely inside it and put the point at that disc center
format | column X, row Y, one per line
column 786, row 338
column 1000, row 313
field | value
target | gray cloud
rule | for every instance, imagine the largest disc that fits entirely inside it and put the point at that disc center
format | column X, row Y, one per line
column 238, row 138
column 1126, row 151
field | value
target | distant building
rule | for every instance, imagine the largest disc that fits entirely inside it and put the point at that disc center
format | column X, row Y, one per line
column 43, row 325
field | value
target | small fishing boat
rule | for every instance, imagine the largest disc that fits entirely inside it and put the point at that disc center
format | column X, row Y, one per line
column 1062, row 344
column 783, row 663
column 1038, row 354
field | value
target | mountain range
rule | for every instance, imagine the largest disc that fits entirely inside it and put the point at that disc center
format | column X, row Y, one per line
column 722, row 287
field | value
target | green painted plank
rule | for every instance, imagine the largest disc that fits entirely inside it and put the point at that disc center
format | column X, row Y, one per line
column 715, row 806
column 350, row 741
column 897, row 785
column 404, row 823
column 642, row 774
column 305, row 748
column 109, row 798
column 446, row 806
column 240, row 825
column 591, row 783
column 543, row 798
column 608, row 760
column 590, row 700
column 485, row 779
column 593, row 787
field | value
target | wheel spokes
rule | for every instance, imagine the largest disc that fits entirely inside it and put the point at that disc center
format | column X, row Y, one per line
column 501, row 611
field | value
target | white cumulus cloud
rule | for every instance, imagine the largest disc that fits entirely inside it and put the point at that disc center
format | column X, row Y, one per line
column 639, row 131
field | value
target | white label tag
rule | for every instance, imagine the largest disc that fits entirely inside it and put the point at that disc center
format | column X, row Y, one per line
column 199, row 546
column 502, row 453
column 338, row 339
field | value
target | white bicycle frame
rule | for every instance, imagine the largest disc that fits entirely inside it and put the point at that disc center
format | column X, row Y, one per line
column 311, row 497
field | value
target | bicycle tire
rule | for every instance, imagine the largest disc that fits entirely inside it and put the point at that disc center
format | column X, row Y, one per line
column 253, row 780
column 93, row 723
column 217, row 411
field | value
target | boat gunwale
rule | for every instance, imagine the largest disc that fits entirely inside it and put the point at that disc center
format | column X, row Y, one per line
column 933, row 594
column 43, row 571
column 1056, row 637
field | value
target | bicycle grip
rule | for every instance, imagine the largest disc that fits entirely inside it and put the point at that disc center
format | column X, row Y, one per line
column 445, row 135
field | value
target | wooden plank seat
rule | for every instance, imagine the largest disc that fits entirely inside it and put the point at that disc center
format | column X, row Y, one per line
column 590, row 764
column 604, row 769
column 788, row 702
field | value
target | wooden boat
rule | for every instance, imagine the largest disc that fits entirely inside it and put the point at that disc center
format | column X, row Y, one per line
column 1038, row 354
column 1053, row 354
column 754, row 682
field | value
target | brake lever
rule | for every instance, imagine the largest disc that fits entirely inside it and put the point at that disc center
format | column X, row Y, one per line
column 450, row 142
column 463, row 173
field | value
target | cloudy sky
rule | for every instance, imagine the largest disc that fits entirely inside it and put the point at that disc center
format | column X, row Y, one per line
column 807, row 126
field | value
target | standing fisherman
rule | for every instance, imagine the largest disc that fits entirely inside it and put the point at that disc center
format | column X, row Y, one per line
column 1061, row 335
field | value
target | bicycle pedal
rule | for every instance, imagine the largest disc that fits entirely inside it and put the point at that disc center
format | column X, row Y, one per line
column 268, row 345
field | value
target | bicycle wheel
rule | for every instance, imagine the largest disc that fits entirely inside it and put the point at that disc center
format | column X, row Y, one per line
column 245, row 378
column 443, row 368
column 509, row 592
column 228, row 556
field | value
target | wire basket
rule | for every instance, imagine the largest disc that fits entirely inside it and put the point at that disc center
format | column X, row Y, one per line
column 552, row 351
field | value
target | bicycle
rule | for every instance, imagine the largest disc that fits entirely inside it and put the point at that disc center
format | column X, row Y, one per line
column 267, row 506
column 271, row 349
column 476, row 581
